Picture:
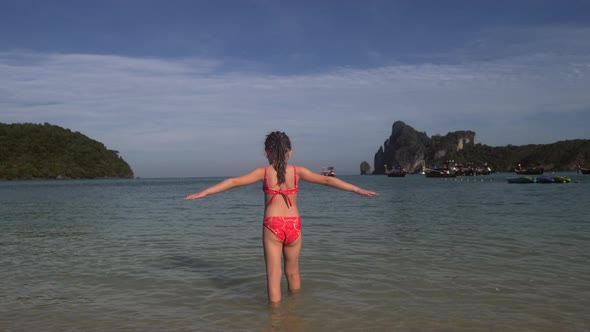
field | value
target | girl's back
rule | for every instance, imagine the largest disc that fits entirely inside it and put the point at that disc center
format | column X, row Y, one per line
column 280, row 200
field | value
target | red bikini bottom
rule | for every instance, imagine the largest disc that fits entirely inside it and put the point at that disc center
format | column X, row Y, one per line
column 286, row 229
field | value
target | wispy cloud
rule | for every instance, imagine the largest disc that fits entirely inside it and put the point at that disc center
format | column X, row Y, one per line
column 189, row 108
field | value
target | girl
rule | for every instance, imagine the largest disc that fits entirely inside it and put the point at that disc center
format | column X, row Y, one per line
column 281, row 235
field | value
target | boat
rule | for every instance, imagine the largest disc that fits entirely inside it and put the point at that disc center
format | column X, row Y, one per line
column 555, row 179
column 541, row 179
column 529, row 170
column 438, row 173
column 562, row 179
column 483, row 170
column 584, row 170
column 396, row 173
column 465, row 170
column 545, row 179
column 329, row 171
column 521, row 179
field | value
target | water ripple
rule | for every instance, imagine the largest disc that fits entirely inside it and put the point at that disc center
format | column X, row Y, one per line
column 425, row 255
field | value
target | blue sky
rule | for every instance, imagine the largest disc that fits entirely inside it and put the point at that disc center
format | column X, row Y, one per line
column 191, row 88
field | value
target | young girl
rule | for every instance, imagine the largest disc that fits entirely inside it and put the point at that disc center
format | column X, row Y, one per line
column 281, row 235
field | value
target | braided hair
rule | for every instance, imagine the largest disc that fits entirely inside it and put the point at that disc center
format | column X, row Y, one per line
column 277, row 145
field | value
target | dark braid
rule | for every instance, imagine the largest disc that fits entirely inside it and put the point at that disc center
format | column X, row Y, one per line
column 277, row 145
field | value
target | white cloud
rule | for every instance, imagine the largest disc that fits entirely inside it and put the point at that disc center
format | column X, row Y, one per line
column 165, row 111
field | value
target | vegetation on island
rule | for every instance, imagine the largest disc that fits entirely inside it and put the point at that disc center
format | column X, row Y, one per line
column 558, row 156
column 45, row 151
column 412, row 150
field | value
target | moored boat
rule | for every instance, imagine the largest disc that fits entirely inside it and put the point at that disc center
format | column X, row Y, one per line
column 562, row 179
column 521, row 179
column 529, row 170
column 545, row 179
column 584, row 170
column 439, row 173
column 541, row 179
column 396, row 173
column 483, row 170
column 328, row 171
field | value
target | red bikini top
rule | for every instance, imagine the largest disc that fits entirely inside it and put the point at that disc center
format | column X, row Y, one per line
column 285, row 193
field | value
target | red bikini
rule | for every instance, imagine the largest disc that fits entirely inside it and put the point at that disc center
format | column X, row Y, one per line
column 285, row 193
column 285, row 228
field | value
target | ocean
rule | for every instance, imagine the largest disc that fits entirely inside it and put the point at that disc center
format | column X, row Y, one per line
column 428, row 254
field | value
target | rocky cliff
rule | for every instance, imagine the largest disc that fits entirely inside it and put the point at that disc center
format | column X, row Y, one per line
column 410, row 149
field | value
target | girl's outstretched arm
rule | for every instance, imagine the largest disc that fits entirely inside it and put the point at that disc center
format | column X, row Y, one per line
column 227, row 184
column 331, row 181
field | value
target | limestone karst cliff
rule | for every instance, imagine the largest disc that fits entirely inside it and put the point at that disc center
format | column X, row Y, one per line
column 412, row 150
column 409, row 149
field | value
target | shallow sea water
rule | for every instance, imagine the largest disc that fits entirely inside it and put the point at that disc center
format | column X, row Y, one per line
column 464, row 254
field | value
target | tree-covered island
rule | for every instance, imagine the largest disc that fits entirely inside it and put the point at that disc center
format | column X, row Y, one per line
column 45, row 151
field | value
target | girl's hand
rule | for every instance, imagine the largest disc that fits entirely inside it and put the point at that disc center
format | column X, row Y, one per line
column 366, row 192
column 195, row 196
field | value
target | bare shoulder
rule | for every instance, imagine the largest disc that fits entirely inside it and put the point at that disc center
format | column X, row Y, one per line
column 254, row 175
column 259, row 171
column 301, row 169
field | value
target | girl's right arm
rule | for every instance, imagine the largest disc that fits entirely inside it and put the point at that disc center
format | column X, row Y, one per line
column 227, row 184
column 331, row 181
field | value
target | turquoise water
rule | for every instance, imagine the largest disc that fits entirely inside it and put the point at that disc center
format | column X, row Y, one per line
column 465, row 254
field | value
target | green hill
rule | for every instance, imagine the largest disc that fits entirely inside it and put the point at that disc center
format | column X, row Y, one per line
column 558, row 156
column 45, row 151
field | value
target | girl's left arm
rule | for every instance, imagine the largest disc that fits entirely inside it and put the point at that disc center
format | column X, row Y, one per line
column 309, row 176
column 227, row 184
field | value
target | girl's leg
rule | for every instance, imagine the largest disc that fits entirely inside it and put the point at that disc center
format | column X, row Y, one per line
column 291, row 253
column 272, row 256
